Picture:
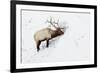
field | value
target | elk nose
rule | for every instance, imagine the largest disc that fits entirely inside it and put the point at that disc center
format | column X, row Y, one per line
column 62, row 32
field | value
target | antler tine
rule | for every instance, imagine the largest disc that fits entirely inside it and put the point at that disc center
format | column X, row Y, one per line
column 51, row 19
column 51, row 22
column 57, row 22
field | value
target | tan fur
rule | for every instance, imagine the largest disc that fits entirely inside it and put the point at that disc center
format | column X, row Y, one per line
column 42, row 34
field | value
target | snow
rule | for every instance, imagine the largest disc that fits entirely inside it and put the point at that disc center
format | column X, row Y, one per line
column 72, row 46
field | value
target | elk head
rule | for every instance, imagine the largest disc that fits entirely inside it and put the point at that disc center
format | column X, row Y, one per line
column 58, row 29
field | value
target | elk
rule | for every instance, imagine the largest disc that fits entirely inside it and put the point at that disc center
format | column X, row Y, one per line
column 47, row 34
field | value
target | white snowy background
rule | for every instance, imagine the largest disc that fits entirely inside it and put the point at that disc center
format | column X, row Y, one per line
column 72, row 46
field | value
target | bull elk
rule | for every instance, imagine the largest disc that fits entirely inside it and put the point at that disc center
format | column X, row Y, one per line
column 47, row 33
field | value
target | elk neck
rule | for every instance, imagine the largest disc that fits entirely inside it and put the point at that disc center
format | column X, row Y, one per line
column 55, row 34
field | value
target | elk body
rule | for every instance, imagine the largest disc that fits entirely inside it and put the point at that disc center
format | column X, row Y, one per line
column 47, row 34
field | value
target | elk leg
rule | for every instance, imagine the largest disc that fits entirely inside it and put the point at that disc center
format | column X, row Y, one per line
column 38, row 45
column 47, row 43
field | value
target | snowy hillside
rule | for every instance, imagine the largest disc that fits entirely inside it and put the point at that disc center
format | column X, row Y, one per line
column 72, row 46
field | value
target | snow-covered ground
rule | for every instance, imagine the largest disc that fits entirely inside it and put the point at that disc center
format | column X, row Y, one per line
column 74, row 45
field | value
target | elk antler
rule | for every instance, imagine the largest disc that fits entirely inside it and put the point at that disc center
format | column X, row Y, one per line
column 57, row 22
column 51, row 22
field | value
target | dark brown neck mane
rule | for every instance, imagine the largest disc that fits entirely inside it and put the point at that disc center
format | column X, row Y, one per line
column 54, row 34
